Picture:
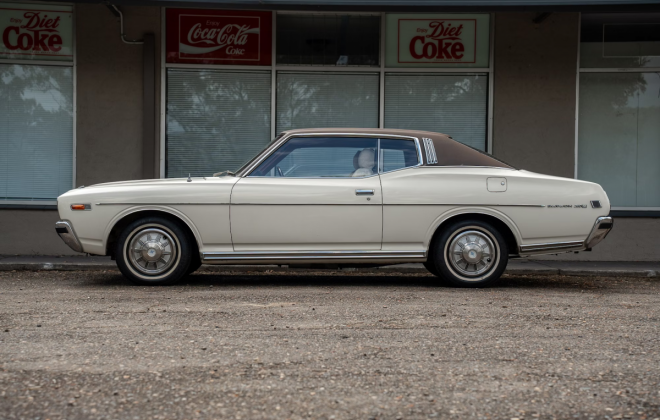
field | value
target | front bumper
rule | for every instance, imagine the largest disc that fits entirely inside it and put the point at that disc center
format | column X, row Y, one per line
column 68, row 235
column 601, row 228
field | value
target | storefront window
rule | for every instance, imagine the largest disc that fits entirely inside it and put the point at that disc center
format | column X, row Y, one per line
column 619, row 136
column 216, row 120
column 36, row 102
column 451, row 104
column 319, row 99
column 327, row 70
column 619, row 110
column 328, row 40
column 36, row 120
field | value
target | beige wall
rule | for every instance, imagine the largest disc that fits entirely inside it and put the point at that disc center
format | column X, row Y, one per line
column 534, row 91
column 109, row 86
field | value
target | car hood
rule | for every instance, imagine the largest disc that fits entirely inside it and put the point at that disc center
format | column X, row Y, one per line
column 198, row 189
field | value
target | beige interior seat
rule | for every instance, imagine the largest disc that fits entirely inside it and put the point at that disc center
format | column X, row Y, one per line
column 364, row 162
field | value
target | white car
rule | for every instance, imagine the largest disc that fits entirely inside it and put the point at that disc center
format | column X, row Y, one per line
column 345, row 197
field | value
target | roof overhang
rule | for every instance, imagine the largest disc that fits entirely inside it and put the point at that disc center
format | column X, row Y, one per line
column 405, row 5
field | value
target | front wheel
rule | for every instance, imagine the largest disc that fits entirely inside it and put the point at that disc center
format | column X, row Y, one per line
column 154, row 251
column 470, row 253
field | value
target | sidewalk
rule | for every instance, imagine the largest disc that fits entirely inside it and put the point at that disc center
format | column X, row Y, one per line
column 519, row 266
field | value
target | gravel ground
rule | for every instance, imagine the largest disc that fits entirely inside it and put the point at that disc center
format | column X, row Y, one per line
column 328, row 345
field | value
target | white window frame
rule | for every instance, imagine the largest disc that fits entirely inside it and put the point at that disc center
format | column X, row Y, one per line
column 274, row 68
column 73, row 64
column 580, row 70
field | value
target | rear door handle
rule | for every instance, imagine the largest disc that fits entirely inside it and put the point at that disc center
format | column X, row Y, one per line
column 364, row 192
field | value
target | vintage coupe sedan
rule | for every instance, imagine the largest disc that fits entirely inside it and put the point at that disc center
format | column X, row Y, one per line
column 344, row 197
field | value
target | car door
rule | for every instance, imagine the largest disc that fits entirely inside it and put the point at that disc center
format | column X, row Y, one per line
column 314, row 193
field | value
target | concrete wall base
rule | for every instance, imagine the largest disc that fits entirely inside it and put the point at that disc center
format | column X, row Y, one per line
column 31, row 232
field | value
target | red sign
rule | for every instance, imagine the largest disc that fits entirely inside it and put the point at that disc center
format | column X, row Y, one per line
column 438, row 40
column 33, row 31
column 218, row 37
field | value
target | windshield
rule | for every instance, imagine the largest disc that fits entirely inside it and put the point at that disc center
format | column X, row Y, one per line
column 252, row 159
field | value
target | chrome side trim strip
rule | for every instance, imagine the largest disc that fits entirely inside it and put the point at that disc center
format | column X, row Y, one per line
column 465, row 204
column 431, row 157
column 64, row 229
column 551, row 246
column 386, row 204
column 161, row 204
column 310, row 255
column 309, row 204
column 316, row 204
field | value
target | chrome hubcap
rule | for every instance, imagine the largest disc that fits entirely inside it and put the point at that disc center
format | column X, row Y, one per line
column 152, row 251
column 472, row 253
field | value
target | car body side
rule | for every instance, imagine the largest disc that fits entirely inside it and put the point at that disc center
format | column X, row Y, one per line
column 415, row 202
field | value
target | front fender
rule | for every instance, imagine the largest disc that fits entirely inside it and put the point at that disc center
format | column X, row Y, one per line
column 142, row 208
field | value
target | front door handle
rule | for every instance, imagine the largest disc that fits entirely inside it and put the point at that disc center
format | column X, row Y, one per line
column 364, row 192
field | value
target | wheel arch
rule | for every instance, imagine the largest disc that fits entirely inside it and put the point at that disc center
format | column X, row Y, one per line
column 128, row 216
column 500, row 221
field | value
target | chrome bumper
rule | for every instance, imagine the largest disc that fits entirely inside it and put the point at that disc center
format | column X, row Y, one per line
column 68, row 235
column 599, row 231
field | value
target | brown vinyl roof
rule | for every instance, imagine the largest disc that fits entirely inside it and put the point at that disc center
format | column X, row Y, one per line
column 449, row 152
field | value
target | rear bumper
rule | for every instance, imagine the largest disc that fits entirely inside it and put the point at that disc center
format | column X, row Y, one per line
column 601, row 228
column 64, row 228
column 598, row 232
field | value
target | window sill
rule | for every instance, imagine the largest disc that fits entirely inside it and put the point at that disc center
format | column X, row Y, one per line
column 635, row 213
column 29, row 205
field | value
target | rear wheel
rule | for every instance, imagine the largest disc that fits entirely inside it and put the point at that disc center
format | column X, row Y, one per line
column 154, row 251
column 470, row 253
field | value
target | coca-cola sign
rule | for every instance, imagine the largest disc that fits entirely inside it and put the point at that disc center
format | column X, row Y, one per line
column 36, row 31
column 218, row 37
column 437, row 40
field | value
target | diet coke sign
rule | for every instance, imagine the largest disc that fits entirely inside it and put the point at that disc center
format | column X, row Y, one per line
column 36, row 31
column 437, row 40
column 218, row 37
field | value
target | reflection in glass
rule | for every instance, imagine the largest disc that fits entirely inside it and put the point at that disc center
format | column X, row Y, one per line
column 621, row 40
column 314, row 100
column 330, row 40
column 216, row 120
column 619, row 136
column 36, row 132
column 397, row 154
column 456, row 105
column 332, row 157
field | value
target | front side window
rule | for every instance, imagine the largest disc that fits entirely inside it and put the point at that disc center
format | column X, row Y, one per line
column 322, row 157
column 397, row 154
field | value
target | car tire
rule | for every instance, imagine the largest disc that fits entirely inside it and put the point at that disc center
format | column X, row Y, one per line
column 195, row 263
column 430, row 266
column 470, row 253
column 154, row 251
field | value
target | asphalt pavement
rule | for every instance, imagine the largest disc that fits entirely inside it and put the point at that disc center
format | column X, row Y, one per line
column 327, row 345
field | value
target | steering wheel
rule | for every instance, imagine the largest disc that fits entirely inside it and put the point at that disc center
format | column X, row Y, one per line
column 279, row 171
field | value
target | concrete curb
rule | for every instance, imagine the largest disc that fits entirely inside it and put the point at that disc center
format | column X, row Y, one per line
column 393, row 269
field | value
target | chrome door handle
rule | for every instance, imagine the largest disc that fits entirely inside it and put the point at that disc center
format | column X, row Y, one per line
column 364, row 192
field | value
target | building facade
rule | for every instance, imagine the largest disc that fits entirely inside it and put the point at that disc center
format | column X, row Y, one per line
column 94, row 93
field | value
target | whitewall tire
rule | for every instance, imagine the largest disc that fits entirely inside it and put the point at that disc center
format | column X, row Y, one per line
column 154, row 251
column 469, row 253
